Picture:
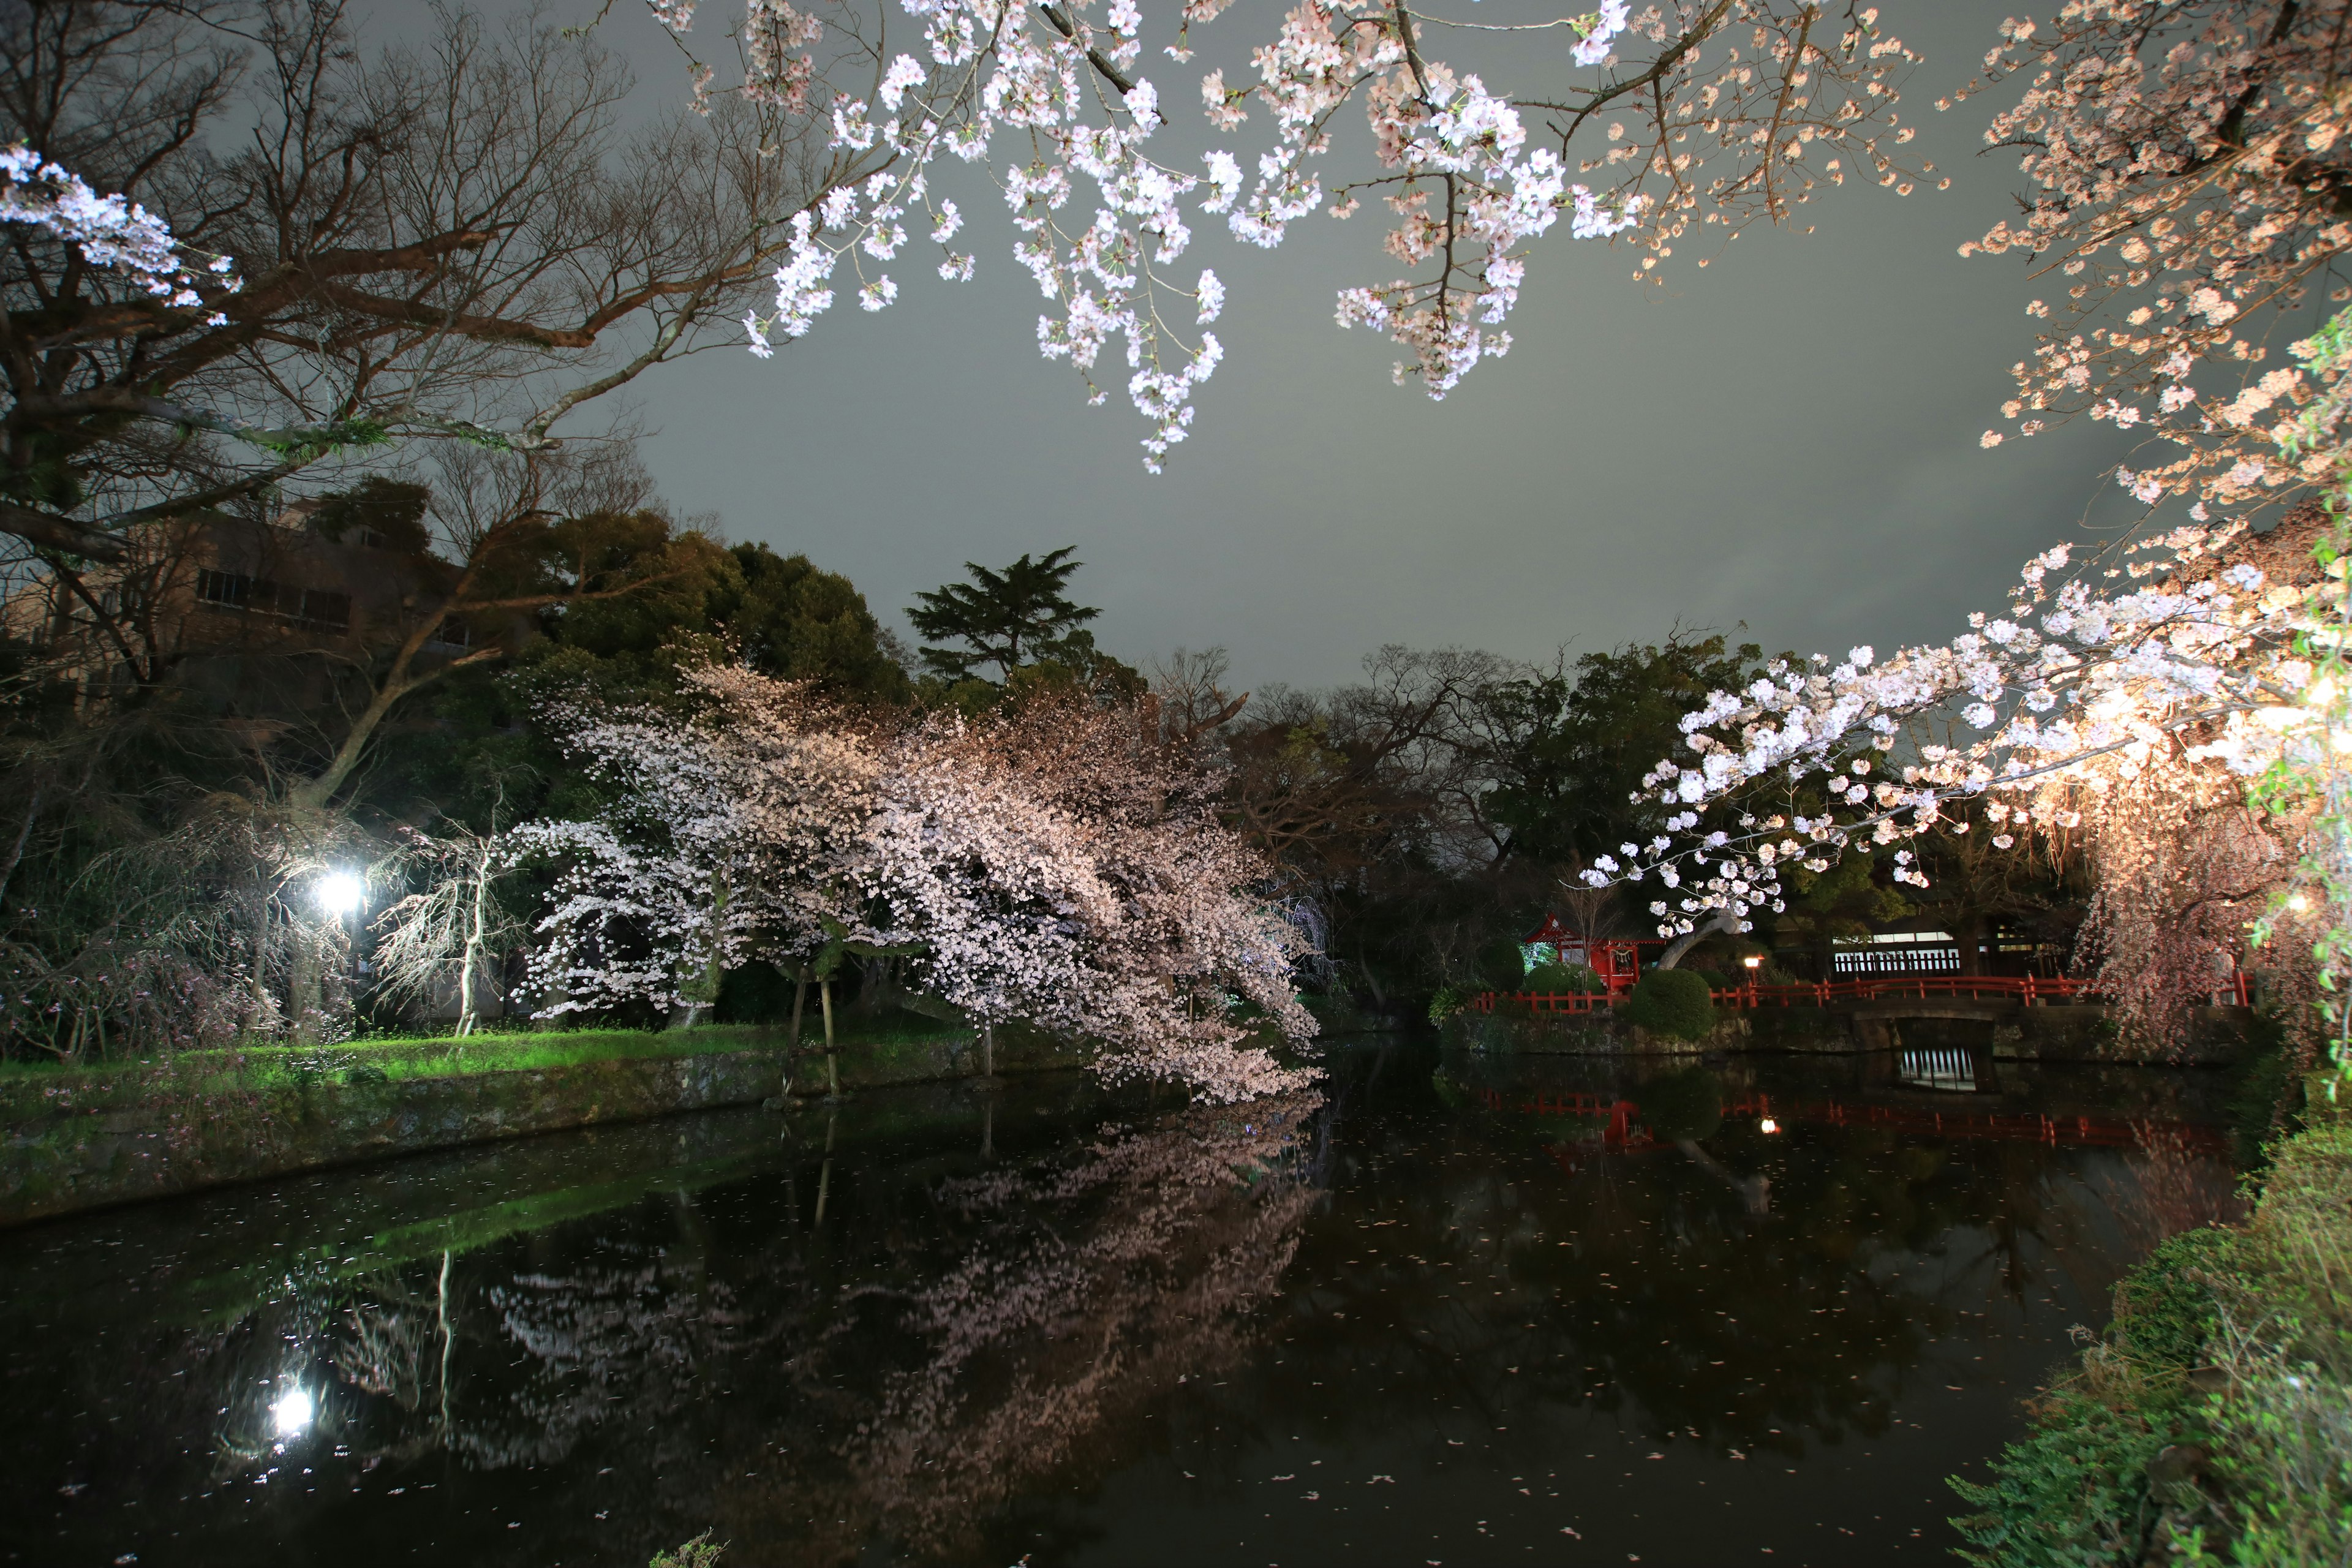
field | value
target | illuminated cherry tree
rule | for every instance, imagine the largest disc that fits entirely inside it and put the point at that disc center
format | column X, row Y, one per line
column 657, row 896
column 1736, row 109
column 1062, row 867
column 2189, row 177
column 2185, row 705
column 733, row 834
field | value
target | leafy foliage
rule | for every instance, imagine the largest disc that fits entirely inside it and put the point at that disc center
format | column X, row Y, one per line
column 700, row 1553
column 1010, row 618
column 1571, row 747
column 1557, row 979
column 1671, row 1002
column 2209, row 1424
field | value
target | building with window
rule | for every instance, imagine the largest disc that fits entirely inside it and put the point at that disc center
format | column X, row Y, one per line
column 264, row 616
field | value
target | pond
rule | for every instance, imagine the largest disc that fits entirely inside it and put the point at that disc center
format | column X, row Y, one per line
column 1453, row 1310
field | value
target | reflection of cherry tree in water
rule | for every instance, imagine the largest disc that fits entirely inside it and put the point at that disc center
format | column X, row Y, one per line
column 635, row 1333
column 1081, row 1288
column 903, row 1368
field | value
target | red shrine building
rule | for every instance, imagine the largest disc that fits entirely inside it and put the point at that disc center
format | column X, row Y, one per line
column 1617, row 960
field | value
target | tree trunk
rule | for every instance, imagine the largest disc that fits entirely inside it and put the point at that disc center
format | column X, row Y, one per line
column 475, row 921
column 1969, row 932
column 258, row 1006
column 1723, row 921
column 832, row 1061
column 16, row 850
column 988, row 1050
column 800, row 995
column 302, row 991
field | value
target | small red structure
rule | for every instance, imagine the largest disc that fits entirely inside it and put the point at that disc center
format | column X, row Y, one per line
column 1617, row 960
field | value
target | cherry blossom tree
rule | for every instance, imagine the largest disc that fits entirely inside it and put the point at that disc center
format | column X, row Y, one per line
column 1738, row 110
column 2183, row 703
column 655, row 898
column 1064, row 867
column 727, row 833
column 440, row 942
column 2186, row 191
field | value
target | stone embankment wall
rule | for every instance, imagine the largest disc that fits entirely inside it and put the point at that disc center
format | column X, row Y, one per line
column 65, row 1155
column 2075, row 1033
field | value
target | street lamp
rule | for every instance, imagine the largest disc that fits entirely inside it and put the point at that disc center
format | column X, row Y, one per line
column 340, row 892
column 292, row 1412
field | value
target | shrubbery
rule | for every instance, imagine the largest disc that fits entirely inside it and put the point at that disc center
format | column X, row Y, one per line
column 2210, row 1423
column 1560, row 979
column 1671, row 1002
column 1502, row 966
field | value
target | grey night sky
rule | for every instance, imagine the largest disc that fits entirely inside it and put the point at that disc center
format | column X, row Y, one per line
column 1787, row 438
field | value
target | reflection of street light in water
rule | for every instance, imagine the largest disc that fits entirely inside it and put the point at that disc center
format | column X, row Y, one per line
column 292, row 1413
column 1767, row 1125
column 340, row 892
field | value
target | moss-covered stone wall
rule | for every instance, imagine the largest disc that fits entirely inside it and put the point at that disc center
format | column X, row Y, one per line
column 68, row 1155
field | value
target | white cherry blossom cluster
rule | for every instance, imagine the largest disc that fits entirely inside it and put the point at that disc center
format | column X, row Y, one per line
column 1048, row 99
column 2187, row 164
column 110, row 231
column 710, row 851
column 1062, row 868
column 2086, row 678
column 1042, row 101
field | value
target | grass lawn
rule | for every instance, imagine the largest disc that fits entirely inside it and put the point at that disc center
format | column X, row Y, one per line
column 25, row 1086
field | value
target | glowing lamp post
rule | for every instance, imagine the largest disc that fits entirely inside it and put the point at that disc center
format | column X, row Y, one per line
column 340, row 893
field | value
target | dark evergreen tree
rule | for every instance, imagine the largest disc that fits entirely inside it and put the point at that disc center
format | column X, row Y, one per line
column 1010, row 618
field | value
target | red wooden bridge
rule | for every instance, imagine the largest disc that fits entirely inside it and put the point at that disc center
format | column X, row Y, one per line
column 2028, row 989
column 1623, row 1128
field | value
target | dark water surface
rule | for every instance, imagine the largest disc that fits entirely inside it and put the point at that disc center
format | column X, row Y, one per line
column 1422, row 1318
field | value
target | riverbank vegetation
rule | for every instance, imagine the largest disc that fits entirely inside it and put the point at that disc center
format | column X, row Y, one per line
column 2212, row 1421
column 32, row 1084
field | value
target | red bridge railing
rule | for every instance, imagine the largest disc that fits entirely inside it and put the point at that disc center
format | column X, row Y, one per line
column 2028, row 989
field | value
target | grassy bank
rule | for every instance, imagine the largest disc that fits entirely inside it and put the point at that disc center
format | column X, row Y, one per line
column 25, row 1086
column 2212, row 1423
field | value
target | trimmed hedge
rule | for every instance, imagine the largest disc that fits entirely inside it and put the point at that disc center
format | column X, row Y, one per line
column 1671, row 1002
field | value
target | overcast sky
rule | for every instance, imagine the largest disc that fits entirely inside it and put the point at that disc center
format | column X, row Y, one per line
column 1787, row 438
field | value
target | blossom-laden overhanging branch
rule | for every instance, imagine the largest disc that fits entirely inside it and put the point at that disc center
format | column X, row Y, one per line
column 1812, row 759
column 1060, row 867
column 110, row 231
column 2207, row 668
column 1050, row 100
column 1065, row 867
column 2189, row 185
column 2202, row 648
